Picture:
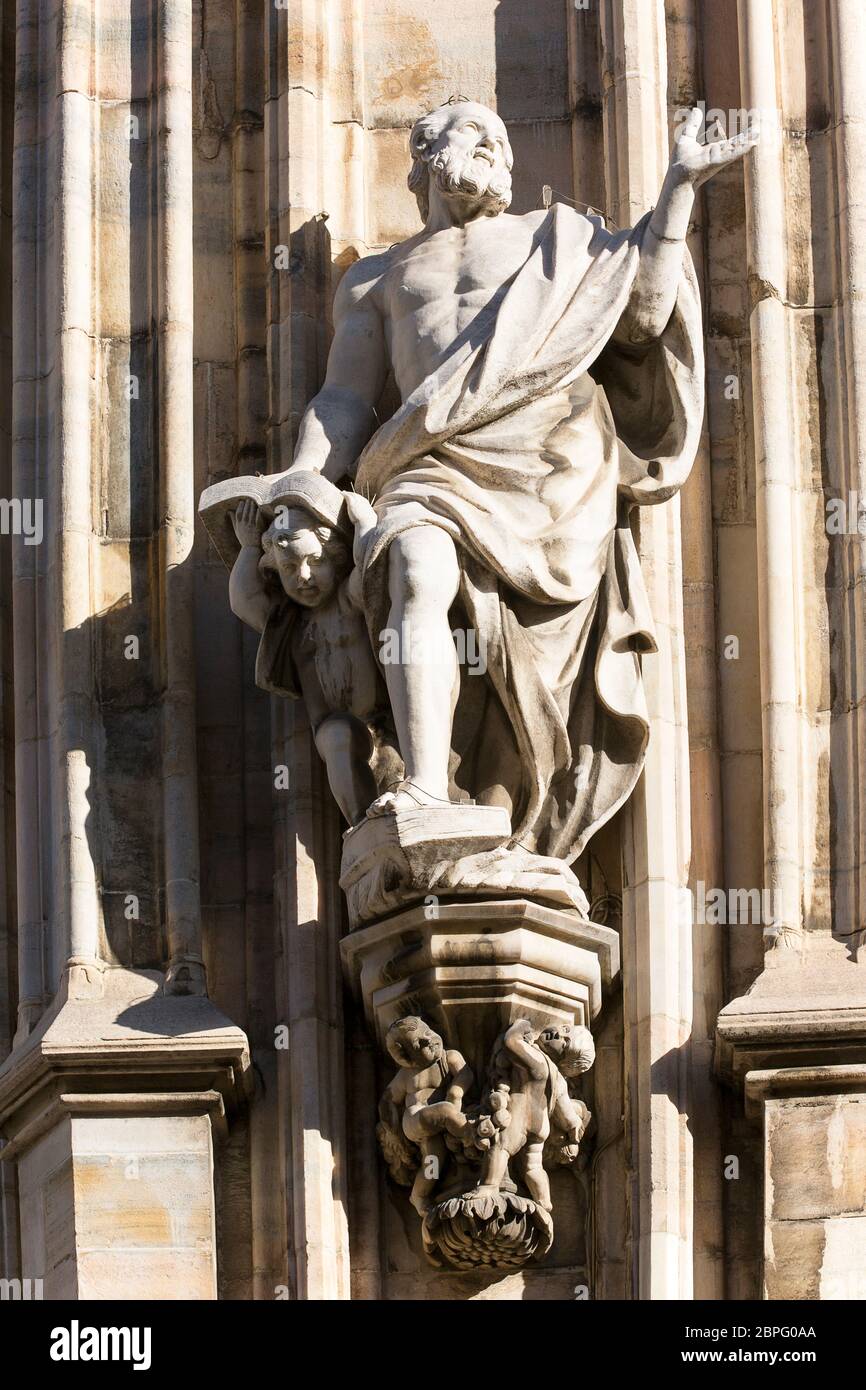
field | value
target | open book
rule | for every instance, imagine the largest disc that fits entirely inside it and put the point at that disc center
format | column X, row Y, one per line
column 270, row 492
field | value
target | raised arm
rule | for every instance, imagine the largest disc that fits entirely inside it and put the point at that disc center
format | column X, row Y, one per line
column 340, row 419
column 654, row 292
column 247, row 597
column 461, row 1077
column 519, row 1041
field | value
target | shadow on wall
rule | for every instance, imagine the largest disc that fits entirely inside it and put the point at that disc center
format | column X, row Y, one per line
column 532, row 96
column 124, row 824
column 124, row 741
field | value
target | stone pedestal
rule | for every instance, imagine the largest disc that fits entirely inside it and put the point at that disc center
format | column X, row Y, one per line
column 795, row 1047
column 814, row 1147
column 438, row 852
column 110, row 1110
column 118, row 1196
column 472, row 968
column 485, row 1008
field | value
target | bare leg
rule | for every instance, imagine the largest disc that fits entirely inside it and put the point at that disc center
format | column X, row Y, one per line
column 423, row 574
column 495, row 1169
column 344, row 744
column 433, row 1156
column 534, row 1175
column 423, row 1121
column 442, row 1114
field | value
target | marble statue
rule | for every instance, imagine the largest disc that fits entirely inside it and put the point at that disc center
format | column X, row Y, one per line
column 529, row 1099
column 550, row 374
column 293, row 582
column 551, row 378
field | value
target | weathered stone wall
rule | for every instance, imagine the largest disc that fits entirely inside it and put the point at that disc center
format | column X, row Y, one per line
column 188, row 183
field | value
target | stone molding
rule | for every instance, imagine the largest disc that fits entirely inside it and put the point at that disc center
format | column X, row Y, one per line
column 129, row 1048
column 801, row 1015
column 485, row 1008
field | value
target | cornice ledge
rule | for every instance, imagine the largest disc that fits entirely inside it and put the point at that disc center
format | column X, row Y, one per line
column 808, row 1016
column 134, row 1040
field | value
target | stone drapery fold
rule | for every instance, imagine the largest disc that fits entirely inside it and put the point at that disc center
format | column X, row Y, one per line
column 529, row 445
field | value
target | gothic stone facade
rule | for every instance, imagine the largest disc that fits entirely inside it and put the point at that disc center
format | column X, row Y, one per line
column 190, row 1066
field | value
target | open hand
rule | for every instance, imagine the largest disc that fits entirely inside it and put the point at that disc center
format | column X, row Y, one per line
column 248, row 523
column 694, row 163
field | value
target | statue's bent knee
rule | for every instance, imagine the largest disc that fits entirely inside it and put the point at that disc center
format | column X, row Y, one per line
column 423, row 565
column 342, row 733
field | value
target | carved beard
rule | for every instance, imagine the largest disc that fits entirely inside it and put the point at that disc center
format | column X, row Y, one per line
column 456, row 173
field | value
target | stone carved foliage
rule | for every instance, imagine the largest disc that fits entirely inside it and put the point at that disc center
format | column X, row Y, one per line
column 477, row 1167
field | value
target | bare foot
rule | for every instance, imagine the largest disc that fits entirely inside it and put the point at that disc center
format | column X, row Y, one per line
column 405, row 796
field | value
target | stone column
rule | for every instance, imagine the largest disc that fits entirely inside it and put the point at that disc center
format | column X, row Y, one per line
column 847, row 39
column 308, row 905
column 121, row 1064
column 657, row 947
column 780, row 581
column 686, row 85
column 174, row 305
column 792, row 1046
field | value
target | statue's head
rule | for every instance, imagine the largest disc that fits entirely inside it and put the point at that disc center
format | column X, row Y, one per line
column 570, row 1046
column 463, row 147
column 307, row 556
column 413, row 1043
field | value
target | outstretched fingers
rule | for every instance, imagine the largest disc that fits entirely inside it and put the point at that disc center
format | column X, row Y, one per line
column 693, row 122
column 723, row 151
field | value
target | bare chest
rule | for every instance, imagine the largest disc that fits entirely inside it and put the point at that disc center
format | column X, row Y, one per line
column 437, row 290
column 333, row 656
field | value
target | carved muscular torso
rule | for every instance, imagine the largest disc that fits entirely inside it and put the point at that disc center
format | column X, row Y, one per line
column 428, row 290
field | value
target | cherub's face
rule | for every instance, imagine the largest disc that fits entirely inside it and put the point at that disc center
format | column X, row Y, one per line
column 306, row 572
column 413, row 1043
column 427, row 1048
column 555, row 1041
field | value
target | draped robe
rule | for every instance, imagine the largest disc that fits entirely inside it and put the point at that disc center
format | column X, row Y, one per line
column 529, row 445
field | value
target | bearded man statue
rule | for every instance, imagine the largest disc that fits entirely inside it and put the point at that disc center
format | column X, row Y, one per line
column 550, row 373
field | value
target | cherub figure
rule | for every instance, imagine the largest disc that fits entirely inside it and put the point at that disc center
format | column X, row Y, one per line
column 571, row 1048
column 529, row 1098
column 292, row 582
column 423, row 1103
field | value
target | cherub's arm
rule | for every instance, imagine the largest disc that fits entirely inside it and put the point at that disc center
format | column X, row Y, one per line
column 520, row 1044
column 364, row 520
column 392, row 1102
column 247, row 596
column 400, row 1155
column 395, row 1091
column 462, row 1077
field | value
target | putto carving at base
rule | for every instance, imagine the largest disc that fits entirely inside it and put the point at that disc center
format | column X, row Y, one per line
column 477, row 1167
column 485, row 1008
